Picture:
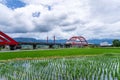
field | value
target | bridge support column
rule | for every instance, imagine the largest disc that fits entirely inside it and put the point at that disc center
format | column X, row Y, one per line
column 34, row 46
column 68, row 45
column 12, row 47
column 50, row 46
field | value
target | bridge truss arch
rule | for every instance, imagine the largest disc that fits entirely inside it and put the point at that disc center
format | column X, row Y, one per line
column 6, row 40
column 78, row 41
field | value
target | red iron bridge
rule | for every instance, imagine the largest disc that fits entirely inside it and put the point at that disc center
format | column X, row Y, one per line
column 78, row 41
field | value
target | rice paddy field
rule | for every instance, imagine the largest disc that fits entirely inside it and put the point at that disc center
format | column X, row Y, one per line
column 61, row 64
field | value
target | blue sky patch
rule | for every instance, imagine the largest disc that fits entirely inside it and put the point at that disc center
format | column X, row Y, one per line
column 36, row 14
column 13, row 4
column 49, row 8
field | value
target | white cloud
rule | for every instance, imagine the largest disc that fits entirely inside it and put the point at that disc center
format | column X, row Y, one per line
column 65, row 18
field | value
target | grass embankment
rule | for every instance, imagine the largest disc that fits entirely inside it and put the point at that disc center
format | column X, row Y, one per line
column 57, row 53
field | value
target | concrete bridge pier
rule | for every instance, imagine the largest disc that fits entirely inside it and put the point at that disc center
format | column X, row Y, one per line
column 12, row 47
column 34, row 46
column 51, row 46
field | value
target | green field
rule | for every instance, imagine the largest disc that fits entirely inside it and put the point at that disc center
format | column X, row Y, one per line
column 61, row 64
column 100, row 67
column 58, row 53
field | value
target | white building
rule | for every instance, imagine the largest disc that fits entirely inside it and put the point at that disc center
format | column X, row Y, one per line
column 105, row 44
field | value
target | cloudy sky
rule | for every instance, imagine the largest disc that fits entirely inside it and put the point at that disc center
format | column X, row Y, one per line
column 62, row 18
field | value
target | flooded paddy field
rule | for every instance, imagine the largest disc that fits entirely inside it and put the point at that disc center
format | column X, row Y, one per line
column 79, row 68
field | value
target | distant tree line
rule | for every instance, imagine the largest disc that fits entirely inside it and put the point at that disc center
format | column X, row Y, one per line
column 116, row 43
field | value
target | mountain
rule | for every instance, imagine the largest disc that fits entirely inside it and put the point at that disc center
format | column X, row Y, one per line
column 92, row 41
column 35, row 40
column 25, row 40
column 98, row 41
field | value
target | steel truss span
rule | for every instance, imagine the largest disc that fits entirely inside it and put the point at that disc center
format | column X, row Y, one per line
column 77, row 41
column 6, row 40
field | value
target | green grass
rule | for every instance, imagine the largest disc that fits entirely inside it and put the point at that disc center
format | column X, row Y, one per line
column 57, row 53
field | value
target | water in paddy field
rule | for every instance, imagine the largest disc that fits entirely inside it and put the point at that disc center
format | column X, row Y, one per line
column 82, row 68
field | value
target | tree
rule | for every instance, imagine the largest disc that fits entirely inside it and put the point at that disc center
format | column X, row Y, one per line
column 116, row 43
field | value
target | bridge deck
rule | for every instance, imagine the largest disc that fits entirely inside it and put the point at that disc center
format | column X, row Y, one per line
column 39, row 43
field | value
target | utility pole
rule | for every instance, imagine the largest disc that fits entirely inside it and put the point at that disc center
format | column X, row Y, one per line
column 47, row 39
column 54, row 39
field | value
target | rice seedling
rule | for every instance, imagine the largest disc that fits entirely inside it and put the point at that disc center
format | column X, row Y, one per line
column 80, row 68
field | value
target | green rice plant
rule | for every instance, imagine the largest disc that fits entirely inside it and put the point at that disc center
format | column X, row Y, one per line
column 79, row 68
